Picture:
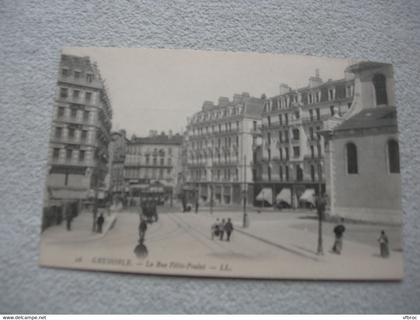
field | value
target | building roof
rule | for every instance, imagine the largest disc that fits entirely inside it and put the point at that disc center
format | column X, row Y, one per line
column 370, row 118
column 158, row 139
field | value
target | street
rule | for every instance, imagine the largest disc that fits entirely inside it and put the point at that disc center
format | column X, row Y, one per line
column 276, row 244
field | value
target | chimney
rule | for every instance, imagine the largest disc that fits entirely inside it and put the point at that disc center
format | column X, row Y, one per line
column 316, row 80
column 284, row 88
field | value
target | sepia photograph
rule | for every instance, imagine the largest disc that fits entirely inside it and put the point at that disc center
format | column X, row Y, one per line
column 223, row 164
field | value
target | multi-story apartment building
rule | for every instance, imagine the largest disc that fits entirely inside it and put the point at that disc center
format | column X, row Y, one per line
column 219, row 149
column 152, row 159
column 289, row 165
column 80, row 134
column 117, row 152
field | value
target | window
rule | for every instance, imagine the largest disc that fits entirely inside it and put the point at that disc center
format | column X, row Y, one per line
column 286, row 119
column 281, row 154
column 169, row 162
column 268, row 138
column 162, row 161
column 296, row 152
column 287, row 173
column 89, row 77
column 69, row 154
column 56, row 153
column 312, row 173
column 61, row 112
column 297, row 115
column 280, row 136
column 349, row 105
column 311, row 115
column 311, row 133
column 83, row 136
column 318, row 114
column 281, row 173
column 379, row 81
column 299, row 173
column 287, row 153
column 332, row 110
column 77, row 74
column 73, row 112
column 58, row 132
column 254, row 124
column 64, row 92
column 295, row 133
column 286, row 136
column 88, row 96
column 64, row 72
column 85, row 115
column 351, row 153
column 330, row 94
column 71, row 133
column 393, row 156
column 269, row 121
column 82, row 155
column 154, row 161
column 312, row 152
column 269, row 154
column 280, row 119
column 76, row 94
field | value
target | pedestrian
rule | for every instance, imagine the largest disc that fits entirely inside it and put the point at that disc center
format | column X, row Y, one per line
column 383, row 244
column 99, row 223
column 69, row 217
column 196, row 206
column 338, row 232
column 142, row 229
column 228, row 229
column 221, row 229
column 215, row 229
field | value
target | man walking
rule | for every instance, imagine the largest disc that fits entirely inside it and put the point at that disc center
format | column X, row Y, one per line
column 100, row 222
column 142, row 229
column 338, row 232
column 228, row 229
column 222, row 229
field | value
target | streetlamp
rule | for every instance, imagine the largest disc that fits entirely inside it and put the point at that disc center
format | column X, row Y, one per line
column 320, row 205
column 245, row 215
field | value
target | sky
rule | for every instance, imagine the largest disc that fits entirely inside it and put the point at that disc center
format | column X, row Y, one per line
column 157, row 89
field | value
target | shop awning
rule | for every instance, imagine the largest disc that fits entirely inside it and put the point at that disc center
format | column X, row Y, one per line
column 265, row 194
column 285, row 195
column 308, row 196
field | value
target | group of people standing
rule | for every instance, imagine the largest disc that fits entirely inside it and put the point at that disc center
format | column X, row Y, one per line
column 220, row 228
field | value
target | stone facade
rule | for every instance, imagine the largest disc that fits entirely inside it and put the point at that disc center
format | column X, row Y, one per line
column 290, row 154
column 78, row 153
column 219, row 149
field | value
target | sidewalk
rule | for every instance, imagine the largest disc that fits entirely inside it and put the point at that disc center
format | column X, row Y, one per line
column 81, row 229
column 355, row 259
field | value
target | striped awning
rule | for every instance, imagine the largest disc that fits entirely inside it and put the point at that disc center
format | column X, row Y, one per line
column 266, row 194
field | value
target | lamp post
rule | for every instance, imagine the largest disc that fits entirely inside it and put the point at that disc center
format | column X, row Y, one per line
column 320, row 204
column 245, row 215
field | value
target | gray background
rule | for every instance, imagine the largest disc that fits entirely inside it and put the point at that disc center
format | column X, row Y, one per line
column 31, row 34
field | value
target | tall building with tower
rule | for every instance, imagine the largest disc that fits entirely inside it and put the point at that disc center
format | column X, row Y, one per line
column 362, row 150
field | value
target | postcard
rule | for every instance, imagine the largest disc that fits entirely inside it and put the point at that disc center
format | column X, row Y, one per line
column 223, row 164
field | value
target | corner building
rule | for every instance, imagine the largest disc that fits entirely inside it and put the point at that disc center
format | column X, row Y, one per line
column 219, row 149
column 80, row 134
column 288, row 147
